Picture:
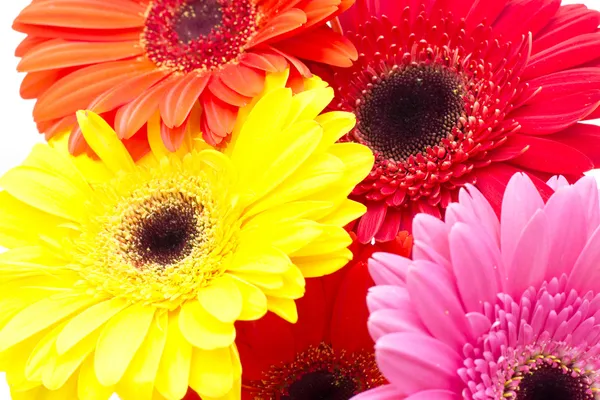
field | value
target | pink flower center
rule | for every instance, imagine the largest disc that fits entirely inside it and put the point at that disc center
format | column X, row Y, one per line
column 188, row 35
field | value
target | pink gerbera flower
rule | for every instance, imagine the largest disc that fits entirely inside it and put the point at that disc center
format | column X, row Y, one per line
column 490, row 309
column 449, row 92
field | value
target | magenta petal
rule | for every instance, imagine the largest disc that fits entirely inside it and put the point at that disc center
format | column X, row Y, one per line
column 482, row 209
column 388, row 269
column 414, row 362
column 475, row 267
column 530, row 259
column 586, row 273
column 435, row 395
column 480, row 324
column 385, row 392
column 433, row 294
column 521, row 200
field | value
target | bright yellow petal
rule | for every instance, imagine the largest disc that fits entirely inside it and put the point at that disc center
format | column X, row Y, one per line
column 87, row 321
column 104, row 141
column 332, row 239
column 309, row 104
column 41, row 315
column 310, row 210
column 254, row 301
column 119, row 340
column 39, row 358
column 285, row 308
column 202, row 329
column 88, row 386
column 358, row 160
column 174, row 370
column 335, row 125
column 222, row 299
column 157, row 145
column 212, row 372
column 287, row 236
column 46, row 192
column 345, row 213
column 266, row 259
column 316, row 266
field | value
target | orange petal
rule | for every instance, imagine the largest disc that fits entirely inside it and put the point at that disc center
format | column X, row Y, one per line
column 296, row 63
column 173, row 137
column 264, row 60
column 131, row 117
column 98, row 35
column 218, row 115
column 36, row 83
column 225, row 93
column 127, row 91
column 138, row 145
column 59, row 53
column 77, row 90
column 244, row 80
column 279, row 25
column 318, row 12
column 61, row 126
column 181, row 97
column 88, row 14
column 27, row 44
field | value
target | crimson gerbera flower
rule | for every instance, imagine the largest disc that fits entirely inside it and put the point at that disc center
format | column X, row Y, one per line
column 127, row 59
column 455, row 92
column 328, row 353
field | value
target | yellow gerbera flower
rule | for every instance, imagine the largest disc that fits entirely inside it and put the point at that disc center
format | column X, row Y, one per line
column 128, row 278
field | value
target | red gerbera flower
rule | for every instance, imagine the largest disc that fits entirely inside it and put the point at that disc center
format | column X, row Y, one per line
column 454, row 91
column 127, row 59
column 328, row 353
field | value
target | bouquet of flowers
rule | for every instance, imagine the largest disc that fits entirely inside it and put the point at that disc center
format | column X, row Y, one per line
column 305, row 200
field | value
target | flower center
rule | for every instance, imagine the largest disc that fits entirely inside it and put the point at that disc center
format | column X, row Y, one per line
column 554, row 381
column 167, row 235
column 409, row 110
column 321, row 385
column 319, row 373
column 188, row 35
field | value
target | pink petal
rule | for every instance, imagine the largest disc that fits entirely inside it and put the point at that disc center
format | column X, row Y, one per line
column 480, row 324
column 475, row 267
column 482, row 209
column 435, row 395
column 521, row 200
column 587, row 188
column 388, row 321
column 433, row 232
column 385, row 392
column 414, row 362
column 586, row 274
column 557, row 181
column 388, row 269
column 433, row 294
column 387, row 297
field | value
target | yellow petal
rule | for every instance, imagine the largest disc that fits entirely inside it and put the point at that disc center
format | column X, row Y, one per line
column 87, row 321
column 46, row 192
column 174, row 370
column 157, row 145
column 265, row 281
column 104, row 141
column 39, row 358
column 41, row 315
column 309, row 104
column 332, row 239
column 202, row 329
column 254, row 301
column 316, row 266
column 286, row 235
column 248, row 258
column 138, row 381
column 357, row 158
column 293, row 285
column 88, row 386
column 285, row 308
column 345, row 213
column 119, row 340
column 311, row 210
column 335, row 125
column 212, row 372
column 222, row 299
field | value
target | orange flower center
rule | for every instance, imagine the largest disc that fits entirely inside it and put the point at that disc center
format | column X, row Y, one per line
column 318, row 373
column 188, row 35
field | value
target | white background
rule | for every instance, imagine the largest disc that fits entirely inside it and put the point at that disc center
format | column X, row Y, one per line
column 17, row 130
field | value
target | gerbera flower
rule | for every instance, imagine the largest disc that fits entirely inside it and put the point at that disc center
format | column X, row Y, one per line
column 492, row 309
column 328, row 353
column 128, row 278
column 453, row 92
column 126, row 59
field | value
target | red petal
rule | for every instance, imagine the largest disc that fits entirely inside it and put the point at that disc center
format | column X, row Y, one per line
column 244, row 80
column 391, row 225
column 562, row 28
column 370, row 223
column 564, row 55
column 548, row 155
column 312, row 317
column 173, row 137
column 563, row 83
column 279, row 25
column 59, row 53
column 508, row 150
column 36, row 83
column 89, row 14
column 225, row 93
column 138, row 145
column 349, row 320
column 532, row 15
column 181, row 97
column 552, row 116
column 77, row 90
column 458, row 8
column 583, row 137
column 484, row 10
column 318, row 12
column 265, row 60
column 321, row 45
column 127, row 91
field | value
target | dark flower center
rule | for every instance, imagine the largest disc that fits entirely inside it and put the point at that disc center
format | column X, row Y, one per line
column 552, row 382
column 321, row 385
column 166, row 236
column 188, row 35
column 409, row 110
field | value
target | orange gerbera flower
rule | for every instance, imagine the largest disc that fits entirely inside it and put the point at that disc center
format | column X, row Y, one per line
column 127, row 59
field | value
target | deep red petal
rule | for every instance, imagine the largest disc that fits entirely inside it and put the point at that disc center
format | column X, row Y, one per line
column 484, row 10
column 562, row 83
column 312, row 317
column 565, row 26
column 370, row 223
column 583, row 137
column 391, row 225
column 532, row 15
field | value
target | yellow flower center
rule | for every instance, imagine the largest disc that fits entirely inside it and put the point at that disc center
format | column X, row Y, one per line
column 158, row 241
